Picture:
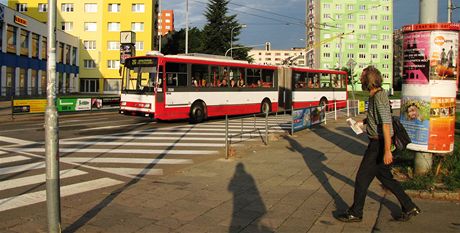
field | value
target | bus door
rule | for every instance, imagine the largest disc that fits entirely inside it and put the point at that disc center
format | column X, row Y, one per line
column 159, row 86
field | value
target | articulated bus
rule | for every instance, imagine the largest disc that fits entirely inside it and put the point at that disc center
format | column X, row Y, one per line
column 195, row 87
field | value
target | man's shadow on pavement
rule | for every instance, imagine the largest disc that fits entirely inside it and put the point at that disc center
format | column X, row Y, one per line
column 315, row 161
column 248, row 207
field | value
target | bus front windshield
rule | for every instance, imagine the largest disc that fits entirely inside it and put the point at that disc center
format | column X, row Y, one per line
column 141, row 77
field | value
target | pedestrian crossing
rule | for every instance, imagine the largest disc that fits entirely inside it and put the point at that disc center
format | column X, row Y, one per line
column 89, row 163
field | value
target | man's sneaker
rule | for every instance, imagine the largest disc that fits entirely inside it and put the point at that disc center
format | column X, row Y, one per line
column 406, row 215
column 348, row 217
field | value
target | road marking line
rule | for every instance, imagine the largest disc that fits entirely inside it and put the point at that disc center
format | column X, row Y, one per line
column 2, row 152
column 149, row 144
column 40, row 196
column 125, row 160
column 21, row 168
column 10, row 159
column 15, row 141
column 36, row 179
column 121, row 151
column 134, row 171
column 114, row 126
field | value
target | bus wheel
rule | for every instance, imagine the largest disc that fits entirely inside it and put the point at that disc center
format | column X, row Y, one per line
column 323, row 102
column 197, row 113
column 265, row 107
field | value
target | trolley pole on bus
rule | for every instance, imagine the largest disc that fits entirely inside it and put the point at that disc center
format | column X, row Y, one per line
column 52, row 129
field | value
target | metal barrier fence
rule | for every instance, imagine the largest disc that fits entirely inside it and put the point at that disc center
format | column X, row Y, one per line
column 352, row 108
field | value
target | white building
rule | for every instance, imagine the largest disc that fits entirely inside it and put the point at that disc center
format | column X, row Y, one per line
column 268, row 56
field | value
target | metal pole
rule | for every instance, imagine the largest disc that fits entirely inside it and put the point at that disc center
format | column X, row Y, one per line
column 348, row 108
column 160, row 34
column 292, row 126
column 226, row 136
column 428, row 11
column 428, row 14
column 242, row 129
column 186, row 26
column 52, row 129
column 266, row 128
column 340, row 52
column 231, row 42
column 335, row 110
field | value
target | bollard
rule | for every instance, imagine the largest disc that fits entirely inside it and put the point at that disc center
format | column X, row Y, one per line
column 226, row 136
column 335, row 110
column 266, row 128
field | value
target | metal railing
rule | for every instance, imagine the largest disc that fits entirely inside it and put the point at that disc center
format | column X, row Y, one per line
column 352, row 108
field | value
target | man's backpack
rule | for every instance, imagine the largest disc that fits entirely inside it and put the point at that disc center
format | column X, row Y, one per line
column 400, row 137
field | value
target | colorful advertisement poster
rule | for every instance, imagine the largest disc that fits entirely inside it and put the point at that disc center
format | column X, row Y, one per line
column 443, row 55
column 415, row 116
column 66, row 105
column 317, row 115
column 96, row 104
column 29, row 106
column 416, row 68
column 442, row 124
column 301, row 119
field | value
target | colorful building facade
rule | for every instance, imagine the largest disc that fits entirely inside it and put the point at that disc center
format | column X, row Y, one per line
column 165, row 22
column 357, row 32
column 23, row 42
column 98, row 23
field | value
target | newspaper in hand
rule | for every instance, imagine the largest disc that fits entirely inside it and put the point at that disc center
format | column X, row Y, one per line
column 355, row 126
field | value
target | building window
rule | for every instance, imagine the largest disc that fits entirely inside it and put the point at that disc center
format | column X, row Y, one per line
column 24, row 43
column 139, row 45
column 362, row 17
column 350, row 26
column 60, row 53
column 362, row 46
column 114, row 7
column 350, row 16
column 74, row 55
column 374, row 56
column 11, row 36
column 43, row 7
column 112, row 85
column 386, row 18
column 113, row 27
column 386, row 28
column 374, row 17
column 89, row 64
column 138, row 7
column 113, row 64
column 385, row 47
column 137, row 27
column 373, row 46
column 326, row 6
column 362, row 36
column 385, row 66
column 21, row 7
column 374, row 27
column 362, row 55
column 67, row 26
column 67, row 7
column 362, row 26
column 90, row 27
column 67, row 54
column 327, row 45
column 351, row 46
column 327, row 36
column 35, row 45
column 374, row 37
column 351, row 7
column 351, row 55
column 90, row 7
column 89, row 85
column 113, row 45
column 326, row 55
column 44, row 48
column 338, row 7
column 362, row 7
column 89, row 44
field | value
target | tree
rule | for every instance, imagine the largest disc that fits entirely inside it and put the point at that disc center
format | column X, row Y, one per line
column 174, row 42
column 217, row 32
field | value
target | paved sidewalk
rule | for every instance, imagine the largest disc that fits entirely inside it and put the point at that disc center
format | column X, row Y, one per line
column 295, row 184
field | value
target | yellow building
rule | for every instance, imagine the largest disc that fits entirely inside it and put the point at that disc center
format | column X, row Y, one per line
column 98, row 23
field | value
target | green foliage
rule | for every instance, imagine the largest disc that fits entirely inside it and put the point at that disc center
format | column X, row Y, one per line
column 174, row 42
column 217, row 32
column 419, row 183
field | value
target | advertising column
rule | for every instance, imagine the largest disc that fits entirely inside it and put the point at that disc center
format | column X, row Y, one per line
column 429, row 86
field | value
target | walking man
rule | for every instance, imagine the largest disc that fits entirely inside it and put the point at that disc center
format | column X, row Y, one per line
column 378, row 157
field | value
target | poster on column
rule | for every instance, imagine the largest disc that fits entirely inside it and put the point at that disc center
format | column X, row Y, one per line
column 442, row 124
column 416, row 47
column 415, row 115
column 443, row 55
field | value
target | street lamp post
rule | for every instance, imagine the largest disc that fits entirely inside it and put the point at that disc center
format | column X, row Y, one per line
column 231, row 37
column 240, row 47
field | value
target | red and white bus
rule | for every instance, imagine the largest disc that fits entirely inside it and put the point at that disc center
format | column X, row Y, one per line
column 196, row 87
column 302, row 87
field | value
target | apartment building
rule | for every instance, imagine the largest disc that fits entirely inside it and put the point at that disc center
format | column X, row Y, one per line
column 165, row 22
column 353, row 30
column 98, row 23
column 269, row 56
column 23, row 45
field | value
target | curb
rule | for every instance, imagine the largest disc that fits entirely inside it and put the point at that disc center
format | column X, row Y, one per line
column 437, row 195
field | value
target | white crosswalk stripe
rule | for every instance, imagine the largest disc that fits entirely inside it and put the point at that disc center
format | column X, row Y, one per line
column 37, row 179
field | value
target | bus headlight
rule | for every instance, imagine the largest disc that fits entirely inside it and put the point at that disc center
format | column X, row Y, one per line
column 123, row 103
column 147, row 105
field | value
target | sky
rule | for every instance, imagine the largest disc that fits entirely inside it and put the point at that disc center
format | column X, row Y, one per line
column 281, row 22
